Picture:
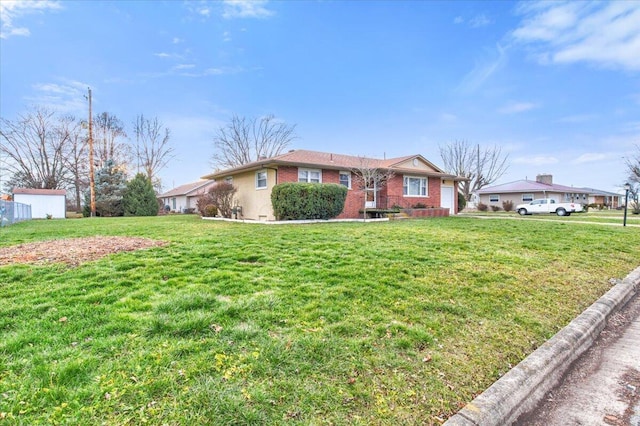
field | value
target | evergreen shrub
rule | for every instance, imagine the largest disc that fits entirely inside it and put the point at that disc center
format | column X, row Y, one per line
column 140, row 198
column 301, row 201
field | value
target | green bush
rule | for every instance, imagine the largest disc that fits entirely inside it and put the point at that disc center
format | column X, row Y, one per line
column 299, row 201
column 139, row 198
column 462, row 202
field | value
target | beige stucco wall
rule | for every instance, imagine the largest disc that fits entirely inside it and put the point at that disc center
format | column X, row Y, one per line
column 255, row 203
column 419, row 166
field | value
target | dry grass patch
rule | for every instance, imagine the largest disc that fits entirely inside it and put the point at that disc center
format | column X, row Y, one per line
column 73, row 251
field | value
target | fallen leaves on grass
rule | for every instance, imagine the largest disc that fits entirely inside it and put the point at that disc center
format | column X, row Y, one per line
column 73, row 251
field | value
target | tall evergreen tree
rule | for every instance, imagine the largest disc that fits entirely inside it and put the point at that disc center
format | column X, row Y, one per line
column 140, row 198
column 110, row 185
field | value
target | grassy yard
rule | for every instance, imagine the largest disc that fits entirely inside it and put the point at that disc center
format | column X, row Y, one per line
column 346, row 323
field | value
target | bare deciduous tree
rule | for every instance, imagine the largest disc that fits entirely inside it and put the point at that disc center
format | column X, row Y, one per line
column 220, row 195
column 244, row 140
column 480, row 167
column 152, row 147
column 34, row 147
column 633, row 166
column 370, row 179
column 77, row 161
column 109, row 140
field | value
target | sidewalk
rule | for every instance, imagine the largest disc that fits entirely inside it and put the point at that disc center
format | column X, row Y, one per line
column 603, row 387
column 586, row 374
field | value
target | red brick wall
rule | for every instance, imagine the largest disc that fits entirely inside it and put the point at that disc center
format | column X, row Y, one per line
column 287, row 174
column 394, row 191
column 354, row 201
column 355, row 197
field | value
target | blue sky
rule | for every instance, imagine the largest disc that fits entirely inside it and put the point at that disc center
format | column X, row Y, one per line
column 555, row 84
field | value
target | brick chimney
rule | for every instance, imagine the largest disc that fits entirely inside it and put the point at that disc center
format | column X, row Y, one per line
column 547, row 179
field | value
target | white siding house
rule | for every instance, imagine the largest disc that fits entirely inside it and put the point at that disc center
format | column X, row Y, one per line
column 45, row 203
column 185, row 197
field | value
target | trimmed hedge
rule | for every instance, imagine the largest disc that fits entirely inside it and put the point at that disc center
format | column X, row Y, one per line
column 300, row 201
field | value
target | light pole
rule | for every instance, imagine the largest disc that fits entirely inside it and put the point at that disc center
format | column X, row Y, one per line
column 627, row 187
column 92, row 184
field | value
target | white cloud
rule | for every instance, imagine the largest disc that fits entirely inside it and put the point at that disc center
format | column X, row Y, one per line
column 579, row 118
column 591, row 157
column 165, row 55
column 188, row 70
column 483, row 70
column 183, row 66
column 226, row 36
column 11, row 10
column 479, row 21
column 448, row 118
column 246, row 9
column 538, row 160
column 476, row 22
column 68, row 96
column 517, row 107
column 603, row 33
column 177, row 40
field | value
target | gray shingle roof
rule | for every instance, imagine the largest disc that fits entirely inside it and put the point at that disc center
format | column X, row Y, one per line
column 531, row 186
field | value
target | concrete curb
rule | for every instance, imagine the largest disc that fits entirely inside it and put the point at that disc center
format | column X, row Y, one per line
column 523, row 387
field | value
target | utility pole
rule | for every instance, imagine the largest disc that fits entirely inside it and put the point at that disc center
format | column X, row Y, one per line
column 92, row 182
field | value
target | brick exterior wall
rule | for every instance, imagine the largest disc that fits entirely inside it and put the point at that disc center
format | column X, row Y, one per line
column 287, row 174
column 394, row 190
column 388, row 196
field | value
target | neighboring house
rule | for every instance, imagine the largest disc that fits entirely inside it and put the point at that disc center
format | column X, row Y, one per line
column 45, row 203
column 415, row 181
column 605, row 199
column 185, row 196
column 523, row 191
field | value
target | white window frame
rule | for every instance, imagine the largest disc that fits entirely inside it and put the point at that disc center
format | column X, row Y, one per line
column 308, row 172
column 229, row 179
column 348, row 175
column 424, row 186
column 494, row 198
column 527, row 198
column 258, row 173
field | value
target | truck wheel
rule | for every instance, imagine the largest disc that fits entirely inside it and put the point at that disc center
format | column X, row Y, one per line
column 522, row 212
column 561, row 212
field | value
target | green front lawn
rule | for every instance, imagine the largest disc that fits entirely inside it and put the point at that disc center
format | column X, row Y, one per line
column 343, row 323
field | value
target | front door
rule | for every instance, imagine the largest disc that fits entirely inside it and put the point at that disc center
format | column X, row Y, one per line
column 370, row 195
column 446, row 199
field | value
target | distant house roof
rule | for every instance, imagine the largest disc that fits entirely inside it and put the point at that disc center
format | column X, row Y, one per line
column 187, row 189
column 531, row 186
column 593, row 191
column 36, row 191
column 327, row 160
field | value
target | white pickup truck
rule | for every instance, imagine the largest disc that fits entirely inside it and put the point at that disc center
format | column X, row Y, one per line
column 547, row 205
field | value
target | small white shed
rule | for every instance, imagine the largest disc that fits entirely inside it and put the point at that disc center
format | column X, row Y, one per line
column 44, row 202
